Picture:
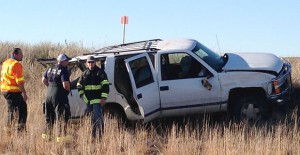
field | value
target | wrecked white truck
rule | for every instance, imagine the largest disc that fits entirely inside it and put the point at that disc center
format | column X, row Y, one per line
column 164, row 78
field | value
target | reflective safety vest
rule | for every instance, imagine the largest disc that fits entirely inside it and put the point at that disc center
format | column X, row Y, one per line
column 93, row 85
column 11, row 76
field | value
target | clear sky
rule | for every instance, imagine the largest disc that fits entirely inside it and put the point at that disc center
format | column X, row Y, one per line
column 237, row 25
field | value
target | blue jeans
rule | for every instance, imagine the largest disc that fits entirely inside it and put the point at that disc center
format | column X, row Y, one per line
column 95, row 111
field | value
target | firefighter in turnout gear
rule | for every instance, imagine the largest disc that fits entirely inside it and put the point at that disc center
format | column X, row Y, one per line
column 13, row 90
column 57, row 80
column 93, row 88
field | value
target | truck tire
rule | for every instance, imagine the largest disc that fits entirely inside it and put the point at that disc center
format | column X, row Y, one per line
column 251, row 108
column 116, row 112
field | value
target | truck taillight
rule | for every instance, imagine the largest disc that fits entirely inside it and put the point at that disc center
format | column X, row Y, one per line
column 276, row 86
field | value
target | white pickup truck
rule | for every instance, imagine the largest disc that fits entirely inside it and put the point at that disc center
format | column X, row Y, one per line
column 164, row 78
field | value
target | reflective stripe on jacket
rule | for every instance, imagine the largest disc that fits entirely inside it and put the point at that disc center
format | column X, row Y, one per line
column 11, row 76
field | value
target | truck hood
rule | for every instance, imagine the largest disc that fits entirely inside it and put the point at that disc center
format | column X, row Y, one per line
column 253, row 62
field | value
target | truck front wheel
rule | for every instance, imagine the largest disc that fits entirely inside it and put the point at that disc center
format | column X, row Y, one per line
column 251, row 108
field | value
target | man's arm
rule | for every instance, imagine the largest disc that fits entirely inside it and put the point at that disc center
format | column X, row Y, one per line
column 22, row 88
column 17, row 70
column 65, row 79
column 45, row 81
column 105, row 88
column 81, row 85
column 66, row 85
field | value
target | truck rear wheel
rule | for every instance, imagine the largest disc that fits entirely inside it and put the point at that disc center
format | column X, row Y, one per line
column 115, row 111
column 251, row 108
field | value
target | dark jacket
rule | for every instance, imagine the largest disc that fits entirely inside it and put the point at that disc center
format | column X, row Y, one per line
column 56, row 76
column 93, row 85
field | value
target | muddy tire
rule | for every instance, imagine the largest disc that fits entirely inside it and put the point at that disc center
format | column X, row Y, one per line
column 251, row 108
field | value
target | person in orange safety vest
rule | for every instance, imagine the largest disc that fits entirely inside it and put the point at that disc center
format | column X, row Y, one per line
column 13, row 90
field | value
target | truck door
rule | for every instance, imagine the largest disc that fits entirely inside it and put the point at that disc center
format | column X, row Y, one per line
column 181, row 88
column 144, row 84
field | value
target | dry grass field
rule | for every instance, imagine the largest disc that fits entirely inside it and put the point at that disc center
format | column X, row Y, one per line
column 185, row 136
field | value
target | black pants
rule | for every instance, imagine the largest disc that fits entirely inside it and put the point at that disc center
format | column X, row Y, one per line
column 15, row 102
column 57, row 108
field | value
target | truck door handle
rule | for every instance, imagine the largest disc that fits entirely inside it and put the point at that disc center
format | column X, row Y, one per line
column 164, row 88
column 139, row 96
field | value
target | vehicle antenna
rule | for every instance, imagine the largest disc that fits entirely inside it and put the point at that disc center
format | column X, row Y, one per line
column 218, row 44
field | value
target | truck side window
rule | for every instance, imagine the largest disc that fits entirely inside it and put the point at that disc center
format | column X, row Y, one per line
column 141, row 72
column 180, row 66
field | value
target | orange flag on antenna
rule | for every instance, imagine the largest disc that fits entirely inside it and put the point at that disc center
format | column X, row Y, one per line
column 124, row 20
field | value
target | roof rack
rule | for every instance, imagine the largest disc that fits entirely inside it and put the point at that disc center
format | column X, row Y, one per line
column 128, row 47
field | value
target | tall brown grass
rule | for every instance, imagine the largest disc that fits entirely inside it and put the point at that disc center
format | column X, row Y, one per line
column 201, row 136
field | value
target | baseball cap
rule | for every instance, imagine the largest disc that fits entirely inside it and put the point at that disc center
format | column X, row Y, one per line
column 63, row 57
column 90, row 59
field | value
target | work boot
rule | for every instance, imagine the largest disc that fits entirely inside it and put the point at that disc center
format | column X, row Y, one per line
column 21, row 127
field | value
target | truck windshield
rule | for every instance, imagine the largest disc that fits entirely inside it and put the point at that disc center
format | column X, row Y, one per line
column 211, row 58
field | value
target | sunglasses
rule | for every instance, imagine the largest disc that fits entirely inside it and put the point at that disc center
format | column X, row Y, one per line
column 91, row 62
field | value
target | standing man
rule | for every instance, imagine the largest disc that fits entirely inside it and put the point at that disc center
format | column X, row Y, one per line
column 57, row 79
column 13, row 90
column 93, row 88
